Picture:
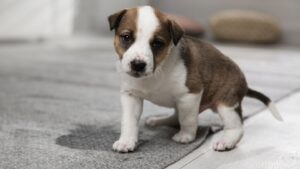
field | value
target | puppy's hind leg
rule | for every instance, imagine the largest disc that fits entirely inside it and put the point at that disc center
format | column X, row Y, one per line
column 169, row 120
column 233, row 127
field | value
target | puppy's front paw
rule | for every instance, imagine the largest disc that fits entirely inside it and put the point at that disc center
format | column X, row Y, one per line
column 124, row 146
column 183, row 137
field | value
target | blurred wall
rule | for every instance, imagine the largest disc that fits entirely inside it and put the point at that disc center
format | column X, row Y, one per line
column 56, row 18
column 23, row 19
column 91, row 15
column 286, row 11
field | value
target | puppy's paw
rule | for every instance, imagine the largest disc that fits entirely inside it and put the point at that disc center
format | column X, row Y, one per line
column 229, row 139
column 124, row 146
column 151, row 121
column 223, row 145
column 183, row 137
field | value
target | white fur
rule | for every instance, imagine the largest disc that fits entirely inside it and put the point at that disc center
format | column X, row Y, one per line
column 132, row 108
column 274, row 111
column 233, row 128
column 147, row 23
column 188, row 109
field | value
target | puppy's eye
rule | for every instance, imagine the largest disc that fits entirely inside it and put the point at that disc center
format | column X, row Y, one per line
column 157, row 44
column 126, row 38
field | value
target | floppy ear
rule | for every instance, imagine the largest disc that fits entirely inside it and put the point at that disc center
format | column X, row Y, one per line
column 176, row 31
column 115, row 19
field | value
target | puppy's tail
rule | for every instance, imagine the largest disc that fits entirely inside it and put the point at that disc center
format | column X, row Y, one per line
column 267, row 101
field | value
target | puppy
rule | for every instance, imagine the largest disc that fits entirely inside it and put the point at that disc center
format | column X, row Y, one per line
column 160, row 64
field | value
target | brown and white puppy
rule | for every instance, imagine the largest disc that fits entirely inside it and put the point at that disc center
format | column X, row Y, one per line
column 162, row 65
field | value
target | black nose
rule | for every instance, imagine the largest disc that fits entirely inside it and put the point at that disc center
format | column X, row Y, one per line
column 138, row 65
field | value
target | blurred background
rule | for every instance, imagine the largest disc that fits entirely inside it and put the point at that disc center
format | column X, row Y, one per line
column 59, row 89
column 52, row 19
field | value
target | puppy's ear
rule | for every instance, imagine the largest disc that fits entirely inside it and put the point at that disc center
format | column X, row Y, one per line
column 115, row 19
column 176, row 31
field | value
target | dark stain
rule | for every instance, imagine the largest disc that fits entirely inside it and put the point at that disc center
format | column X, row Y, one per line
column 89, row 137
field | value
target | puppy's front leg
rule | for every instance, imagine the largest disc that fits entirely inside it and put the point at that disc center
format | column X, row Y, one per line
column 188, row 109
column 132, row 109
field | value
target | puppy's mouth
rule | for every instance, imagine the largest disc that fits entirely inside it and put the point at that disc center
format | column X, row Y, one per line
column 137, row 74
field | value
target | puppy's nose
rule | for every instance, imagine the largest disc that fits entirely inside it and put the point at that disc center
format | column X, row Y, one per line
column 138, row 65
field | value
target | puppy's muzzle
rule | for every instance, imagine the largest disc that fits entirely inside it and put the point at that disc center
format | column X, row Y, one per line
column 138, row 66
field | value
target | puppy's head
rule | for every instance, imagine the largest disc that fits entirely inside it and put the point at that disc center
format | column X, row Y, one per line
column 143, row 39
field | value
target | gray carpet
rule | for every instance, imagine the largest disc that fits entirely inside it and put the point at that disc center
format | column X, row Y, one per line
column 59, row 109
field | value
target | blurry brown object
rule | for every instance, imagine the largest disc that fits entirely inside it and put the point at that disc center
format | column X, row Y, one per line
column 245, row 26
column 190, row 26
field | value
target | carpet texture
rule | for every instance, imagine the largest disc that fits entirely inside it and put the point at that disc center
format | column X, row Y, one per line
column 59, row 109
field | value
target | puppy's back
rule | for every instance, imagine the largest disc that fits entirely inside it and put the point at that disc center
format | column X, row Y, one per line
column 210, row 70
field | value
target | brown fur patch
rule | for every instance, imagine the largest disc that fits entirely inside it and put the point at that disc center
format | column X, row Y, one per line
column 128, row 23
column 169, row 31
column 209, row 70
column 163, row 33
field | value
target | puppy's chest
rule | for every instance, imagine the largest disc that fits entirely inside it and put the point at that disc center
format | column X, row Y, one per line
column 164, row 88
column 163, row 95
column 163, row 92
